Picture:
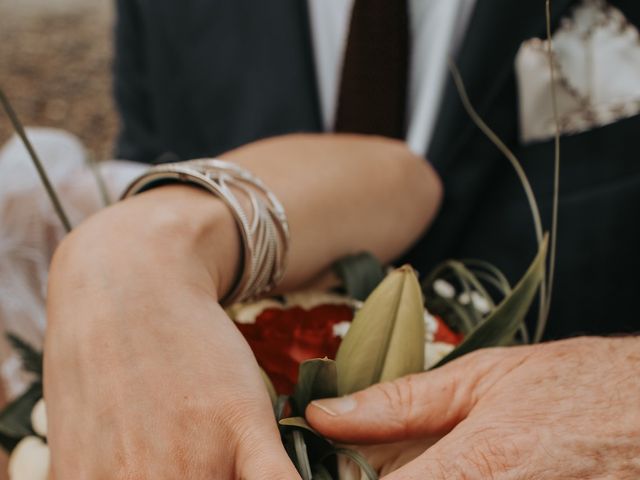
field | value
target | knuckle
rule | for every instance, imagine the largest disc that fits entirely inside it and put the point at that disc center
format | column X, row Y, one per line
column 399, row 396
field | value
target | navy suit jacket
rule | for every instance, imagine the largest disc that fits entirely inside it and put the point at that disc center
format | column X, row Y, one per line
column 198, row 77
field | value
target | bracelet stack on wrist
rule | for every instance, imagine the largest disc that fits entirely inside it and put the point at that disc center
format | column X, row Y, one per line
column 264, row 232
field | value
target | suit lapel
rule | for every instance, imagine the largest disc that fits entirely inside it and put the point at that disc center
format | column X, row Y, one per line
column 486, row 60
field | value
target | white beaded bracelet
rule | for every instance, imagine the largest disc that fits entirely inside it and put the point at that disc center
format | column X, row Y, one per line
column 264, row 233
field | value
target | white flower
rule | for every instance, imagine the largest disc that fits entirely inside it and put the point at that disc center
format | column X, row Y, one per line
column 246, row 313
column 480, row 303
column 39, row 418
column 444, row 288
column 430, row 326
column 341, row 329
column 29, row 460
column 434, row 352
column 309, row 299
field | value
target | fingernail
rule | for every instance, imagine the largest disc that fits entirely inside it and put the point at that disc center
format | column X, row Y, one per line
column 336, row 406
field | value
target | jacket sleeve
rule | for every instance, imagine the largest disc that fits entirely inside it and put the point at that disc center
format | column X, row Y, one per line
column 137, row 139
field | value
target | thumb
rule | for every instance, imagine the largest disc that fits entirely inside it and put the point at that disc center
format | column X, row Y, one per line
column 425, row 404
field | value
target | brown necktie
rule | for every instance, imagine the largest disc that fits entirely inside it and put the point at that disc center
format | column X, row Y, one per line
column 373, row 90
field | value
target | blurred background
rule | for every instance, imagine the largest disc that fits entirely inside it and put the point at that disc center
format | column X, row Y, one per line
column 55, row 62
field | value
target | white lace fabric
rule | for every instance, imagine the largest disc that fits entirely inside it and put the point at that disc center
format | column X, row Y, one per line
column 30, row 229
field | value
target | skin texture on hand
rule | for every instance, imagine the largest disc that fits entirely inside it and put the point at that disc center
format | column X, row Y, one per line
column 566, row 410
column 145, row 375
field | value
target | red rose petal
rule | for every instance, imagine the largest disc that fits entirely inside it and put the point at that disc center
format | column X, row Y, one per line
column 281, row 339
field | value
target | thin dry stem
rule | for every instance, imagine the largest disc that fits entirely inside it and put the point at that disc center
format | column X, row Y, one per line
column 515, row 163
column 556, row 180
column 102, row 186
column 17, row 125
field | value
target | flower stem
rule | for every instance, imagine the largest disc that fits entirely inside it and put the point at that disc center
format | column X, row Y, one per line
column 556, row 180
column 36, row 161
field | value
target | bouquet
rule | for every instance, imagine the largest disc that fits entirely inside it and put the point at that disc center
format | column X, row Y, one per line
column 313, row 345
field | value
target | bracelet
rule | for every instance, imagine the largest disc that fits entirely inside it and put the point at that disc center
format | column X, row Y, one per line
column 264, row 233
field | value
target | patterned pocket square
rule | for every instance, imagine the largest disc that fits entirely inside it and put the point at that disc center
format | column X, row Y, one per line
column 597, row 71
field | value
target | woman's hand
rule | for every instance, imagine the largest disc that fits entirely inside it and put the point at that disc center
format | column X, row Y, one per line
column 145, row 376
column 565, row 410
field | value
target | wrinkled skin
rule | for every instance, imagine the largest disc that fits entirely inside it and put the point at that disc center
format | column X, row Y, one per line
column 565, row 410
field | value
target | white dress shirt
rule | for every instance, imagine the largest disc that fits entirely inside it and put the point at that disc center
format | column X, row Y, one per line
column 437, row 30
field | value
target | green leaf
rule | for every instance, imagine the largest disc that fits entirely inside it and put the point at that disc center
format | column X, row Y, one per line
column 386, row 338
column 302, row 458
column 273, row 395
column 500, row 327
column 320, row 472
column 360, row 274
column 15, row 418
column 316, row 379
column 31, row 358
column 362, row 462
column 281, row 404
column 298, row 422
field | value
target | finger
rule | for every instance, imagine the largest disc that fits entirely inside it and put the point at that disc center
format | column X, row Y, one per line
column 426, row 404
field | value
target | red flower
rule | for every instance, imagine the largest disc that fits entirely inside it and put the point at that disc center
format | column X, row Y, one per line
column 281, row 339
column 445, row 335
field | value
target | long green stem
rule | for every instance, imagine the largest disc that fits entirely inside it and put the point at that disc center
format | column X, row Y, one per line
column 57, row 205
column 515, row 163
column 102, row 185
column 556, row 179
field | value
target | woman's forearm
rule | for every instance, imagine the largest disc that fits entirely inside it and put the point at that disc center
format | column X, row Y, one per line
column 342, row 194
column 143, row 369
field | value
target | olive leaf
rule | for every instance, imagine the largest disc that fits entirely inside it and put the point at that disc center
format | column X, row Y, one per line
column 15, row 418
column 298, row 422
column 316, row 379
column 320, row 472
column 386, row 338
column 302, row 456
column 31, row 358
column 500, row 327
column 360, row 274
column 359, row 460
column 271, row 390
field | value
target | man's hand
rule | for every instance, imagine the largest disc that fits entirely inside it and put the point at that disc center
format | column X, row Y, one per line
column 564, row 410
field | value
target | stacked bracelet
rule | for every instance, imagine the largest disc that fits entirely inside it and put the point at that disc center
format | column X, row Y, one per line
column 264, row 233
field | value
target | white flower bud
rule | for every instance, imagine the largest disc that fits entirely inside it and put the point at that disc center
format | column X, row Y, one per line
column 444, row 288
column 341, row 329
column 434, row 352
column 249, row 312
column 29, row 460
column 464, row 299
column 480, row 303
column 308, row 299
column 39, row 418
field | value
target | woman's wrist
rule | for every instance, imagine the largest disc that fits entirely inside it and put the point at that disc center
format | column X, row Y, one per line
column 176, row 228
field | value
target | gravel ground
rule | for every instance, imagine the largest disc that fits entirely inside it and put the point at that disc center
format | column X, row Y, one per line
column 55, row 61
